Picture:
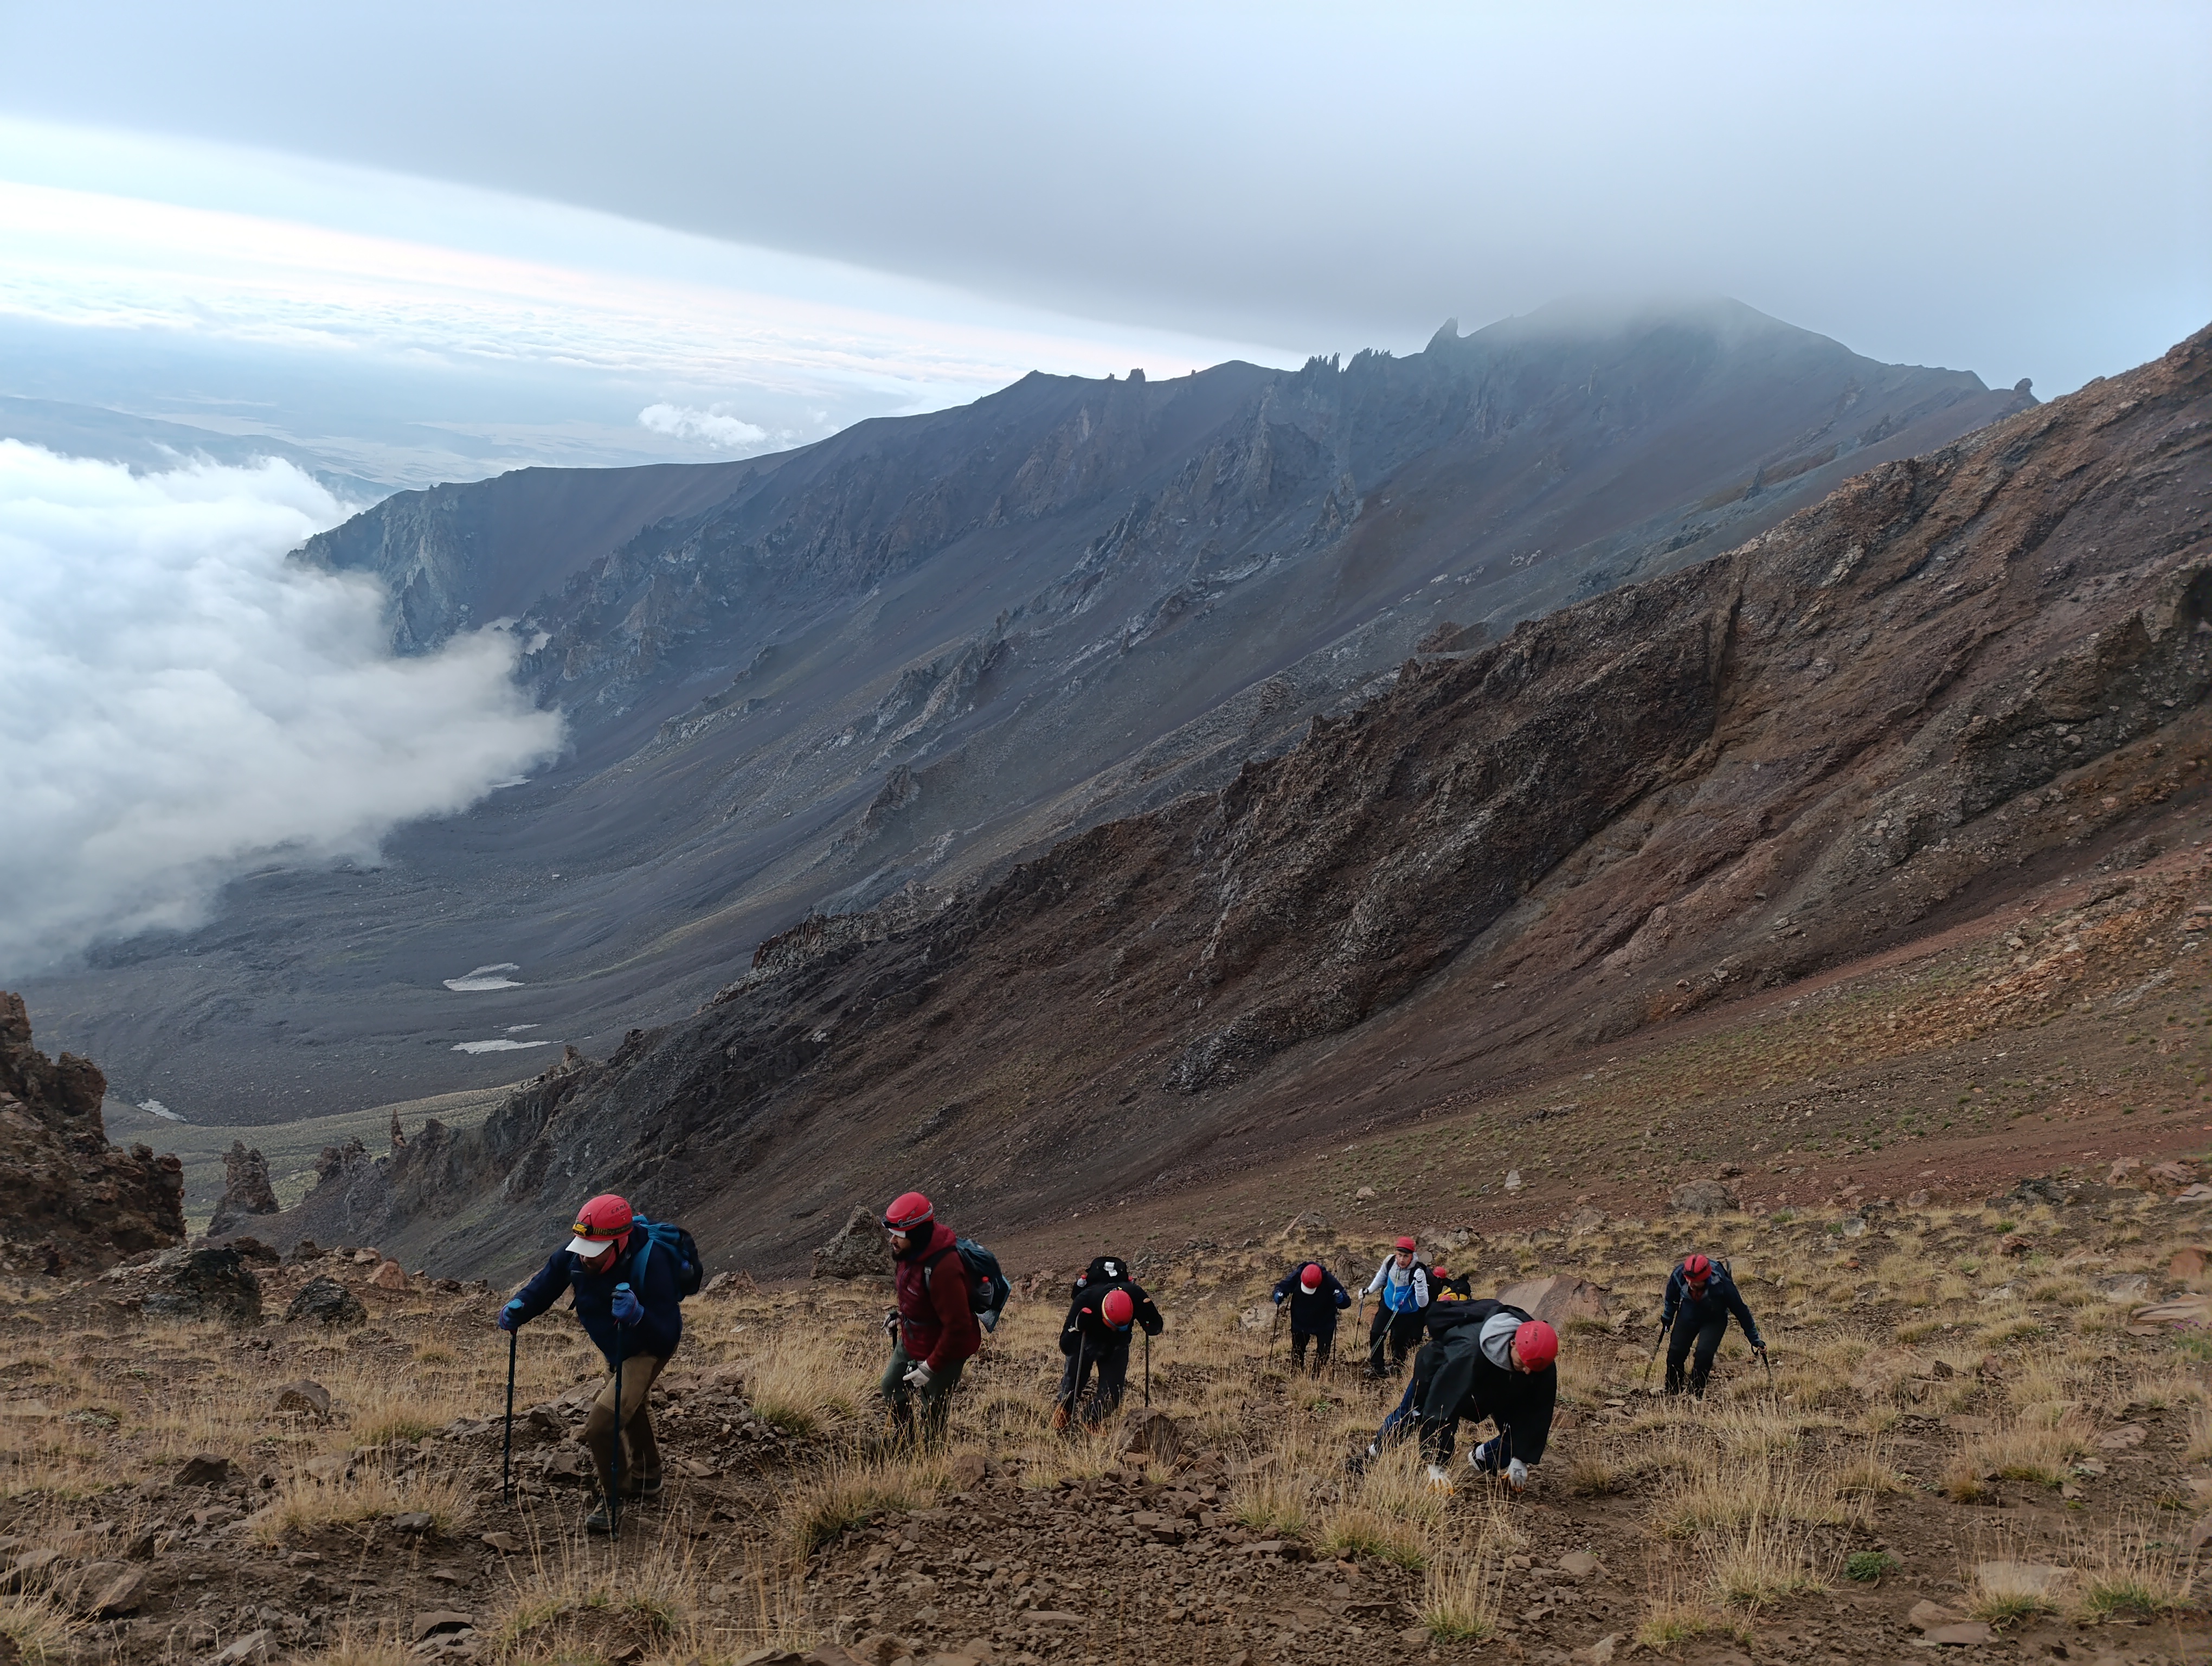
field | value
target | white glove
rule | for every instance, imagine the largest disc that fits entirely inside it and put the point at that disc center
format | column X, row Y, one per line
column 918, row 1377
column 1516, row 1474
column 1438, row 1481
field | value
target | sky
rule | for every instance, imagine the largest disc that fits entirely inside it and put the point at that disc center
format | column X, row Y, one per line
column 386, row 244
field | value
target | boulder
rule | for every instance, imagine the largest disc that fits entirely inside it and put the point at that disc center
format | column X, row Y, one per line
column 253, row 1647
column 202, row 1284
column 2186, row 1263
column 1151, row 1431
column 327, row 1301
column 120, row 1595
column 306, row 1397
column 389, row 1275
column 202, row 1469
column 1702, row 1197
column 1557, row 1299
column 860, row 1249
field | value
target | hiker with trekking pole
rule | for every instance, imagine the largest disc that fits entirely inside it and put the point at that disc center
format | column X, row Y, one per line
column 627, row 1277
column 1401, row 1284
column 1700, row 1296
column 1104, row 1306
column 1315, row 1297
column 935, row 1328
column 1483, row 1359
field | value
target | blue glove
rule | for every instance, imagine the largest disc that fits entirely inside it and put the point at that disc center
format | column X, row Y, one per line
column 628, row 1310
column 1278, row 1298
column 510, row 1316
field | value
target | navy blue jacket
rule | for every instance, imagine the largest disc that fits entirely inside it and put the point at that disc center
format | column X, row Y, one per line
column 657, row 1333
column 1720, row 1298
column 1314, row 1315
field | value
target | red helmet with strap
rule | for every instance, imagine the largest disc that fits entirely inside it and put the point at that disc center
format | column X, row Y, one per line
column 1117, row 1308
column 910, row 1210
column 1535, row 1345
column 1406, row 1243
column 1310, row 1277
column 605, row 1220
column 1696, row 1269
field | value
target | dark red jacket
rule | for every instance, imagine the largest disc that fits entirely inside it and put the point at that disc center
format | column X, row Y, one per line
column 937, row 1324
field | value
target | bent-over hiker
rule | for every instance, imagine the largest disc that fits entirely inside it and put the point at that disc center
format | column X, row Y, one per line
column 1700, row 1296
column 1483, row 1359
column 630, row 1305
column 1316, row 1296
column 1104, row 1305
column 1403, row 1284
column 934, row 1323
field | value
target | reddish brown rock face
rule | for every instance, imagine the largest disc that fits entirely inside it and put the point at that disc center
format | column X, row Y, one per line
column 65, row 1190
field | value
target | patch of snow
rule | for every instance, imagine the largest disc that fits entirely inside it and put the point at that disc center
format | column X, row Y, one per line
column 499, row 1044
column 486, row 977
column 155, row 1107
column 512, row 1027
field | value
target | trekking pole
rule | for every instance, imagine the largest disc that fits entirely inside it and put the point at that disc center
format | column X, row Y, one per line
column 614, row 1499
column 506, row 1450
column 1657, row 1342
column 1148, row 1368
column 1769, row 1363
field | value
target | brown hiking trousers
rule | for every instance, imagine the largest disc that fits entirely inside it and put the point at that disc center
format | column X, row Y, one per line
column 640, row 1451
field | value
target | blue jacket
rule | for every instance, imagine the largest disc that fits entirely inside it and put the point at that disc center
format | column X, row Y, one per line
column 1720, row 1298
column 657, row 1333
column 1314, row 1315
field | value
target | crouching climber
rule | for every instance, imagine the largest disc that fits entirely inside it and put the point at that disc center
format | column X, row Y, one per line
column 628, row 1300
column 1483, row 1359
column 1105, row 1307
column 933, row 1327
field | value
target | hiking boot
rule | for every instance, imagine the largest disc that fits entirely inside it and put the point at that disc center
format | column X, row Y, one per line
column 644, row 1486
column 601, row 1520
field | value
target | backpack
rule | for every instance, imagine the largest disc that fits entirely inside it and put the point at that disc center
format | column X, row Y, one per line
column 1103, row 1269
column 678, row 1243
column 987, row 1289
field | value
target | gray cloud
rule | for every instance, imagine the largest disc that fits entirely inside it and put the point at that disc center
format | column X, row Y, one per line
column 177, row 701
column 2015, row 189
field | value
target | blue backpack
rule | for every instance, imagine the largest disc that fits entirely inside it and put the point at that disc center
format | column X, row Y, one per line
column 678, row 1243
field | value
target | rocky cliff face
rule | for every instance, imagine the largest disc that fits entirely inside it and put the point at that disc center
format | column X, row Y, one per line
column 66, row 1195
column 1954, row 674
column 924, row 650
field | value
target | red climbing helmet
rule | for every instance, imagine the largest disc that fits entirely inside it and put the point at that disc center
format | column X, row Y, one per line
column 1535, row 1345
column 1406, row 1243
column 911, row 1210
column 1696, row 1269
column 1118, row 1309
column 1310, row 1277
column 604, row 1220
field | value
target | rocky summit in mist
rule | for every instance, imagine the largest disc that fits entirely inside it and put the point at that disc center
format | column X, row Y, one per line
column 866, row 678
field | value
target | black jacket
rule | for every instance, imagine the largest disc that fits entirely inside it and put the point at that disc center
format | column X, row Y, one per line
column 1453, row 1378
column 1086, row 1326
column 1314, row 1315
column 1720, row 1298
column 656, row 1334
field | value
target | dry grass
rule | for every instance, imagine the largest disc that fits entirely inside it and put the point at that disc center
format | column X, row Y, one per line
column 845, row 1495
column 2041, row 1452
column 1760, row 1561
column 2127, row 1574
column 1705, row 1495
column 2199, row 1449
column 802, row 1378
column 572, row 1603
column 38, row 1626
column 372, row 1490
column 2006, row 1591
column 1459, row 1597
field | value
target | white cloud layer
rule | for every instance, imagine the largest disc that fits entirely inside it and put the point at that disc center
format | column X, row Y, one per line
column 714, row 427
column 177, row 701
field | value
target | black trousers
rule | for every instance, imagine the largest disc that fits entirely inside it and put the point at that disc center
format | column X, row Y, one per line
column 1112, row 1362
column 1707, row 1337
column 1324, row 1343
column 1402, row 1331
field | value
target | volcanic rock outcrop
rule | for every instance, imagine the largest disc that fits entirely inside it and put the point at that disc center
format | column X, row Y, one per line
column 63, row 1188
column 245, row 1191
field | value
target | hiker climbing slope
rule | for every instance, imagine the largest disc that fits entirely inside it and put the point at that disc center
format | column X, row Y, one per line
column 1105, row 1307
column 1316, row 1296
column 1700, row 1296
column 627, row 1298
column 934, row 1325
column 1483, row 1359
column 1401, row 1286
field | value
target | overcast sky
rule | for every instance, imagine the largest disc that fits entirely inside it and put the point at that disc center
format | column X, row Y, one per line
column 2012, row 189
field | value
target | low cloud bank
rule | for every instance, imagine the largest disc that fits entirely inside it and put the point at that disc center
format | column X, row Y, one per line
column 714, row 427
column 177, row 702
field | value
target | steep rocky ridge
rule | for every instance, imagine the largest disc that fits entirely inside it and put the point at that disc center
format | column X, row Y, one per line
column 68, row 1197
column 1954, row 677
column 924, row 649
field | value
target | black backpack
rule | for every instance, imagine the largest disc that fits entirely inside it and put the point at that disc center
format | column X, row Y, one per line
column 987, row 1289
column 1103, row 1269
column 678, row 1242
